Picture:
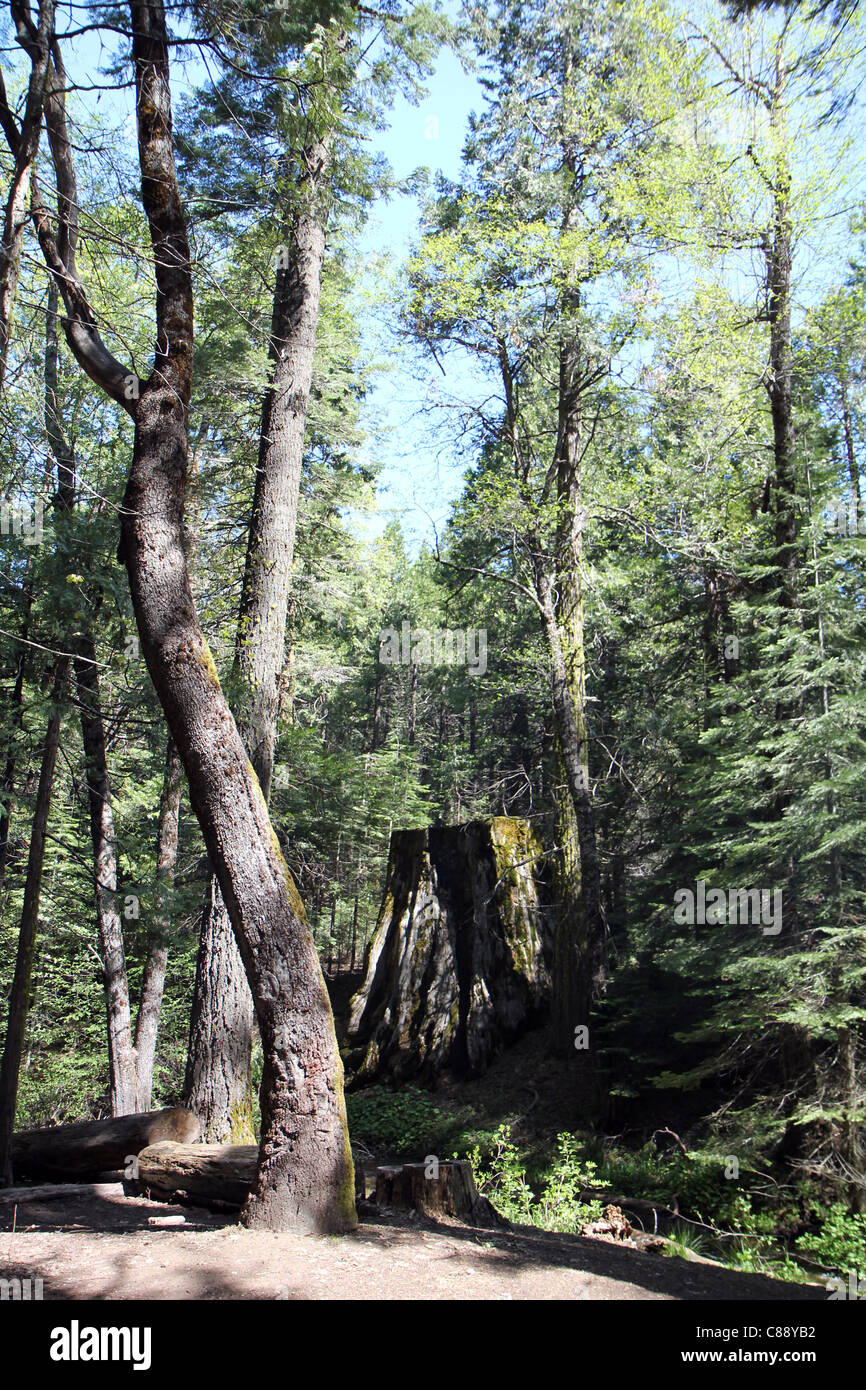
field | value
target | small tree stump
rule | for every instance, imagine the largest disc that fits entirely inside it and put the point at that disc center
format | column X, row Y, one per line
column 443, row 1189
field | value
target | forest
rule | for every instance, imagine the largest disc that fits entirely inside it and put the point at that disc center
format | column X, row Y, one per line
column 433, row 624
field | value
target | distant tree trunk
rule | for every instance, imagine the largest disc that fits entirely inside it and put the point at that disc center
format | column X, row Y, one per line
column 851, row 1143
column 7, row 786
column 778, row 256
column 579, row 948
column 121, row 1053
column 375, row 727
column 19, row 999
column 153, row 979
column 217, row 1084
column 850, row 455
column 413, row 698
column 23, row 142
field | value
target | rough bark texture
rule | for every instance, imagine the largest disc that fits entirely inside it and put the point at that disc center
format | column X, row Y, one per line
column 98, row 1146
column 217, row 1082
column 19, row 998
column 205, row 1173
column 456, row 967
column 153, row 978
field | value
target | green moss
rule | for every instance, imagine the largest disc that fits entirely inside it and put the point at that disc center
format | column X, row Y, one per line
column 206, row 661
column 346, row 1194
column 242, row 1128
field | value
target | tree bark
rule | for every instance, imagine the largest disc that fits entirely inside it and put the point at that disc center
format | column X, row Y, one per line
column 121, row 1055
column 203, row 1173
column 579, row 951
column 458, row 964
column 217, row 1082
column 19, row 998
column 778, row 255
column 17, row 707
column 304, row 1178
column 153, row 979
column 98, row 1146
column 121, row 1052
column 35, row 39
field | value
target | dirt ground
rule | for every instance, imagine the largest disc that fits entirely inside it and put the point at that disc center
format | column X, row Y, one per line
column 101, row 1245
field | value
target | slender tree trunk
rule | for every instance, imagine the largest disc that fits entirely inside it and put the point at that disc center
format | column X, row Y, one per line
column 19, row 999
column 579, row 948
column 850, row 454
column 153, row 979
column 121, row 1053
column 7, row 786
column 23, row 142
column 778, row 253
column 217, row 1083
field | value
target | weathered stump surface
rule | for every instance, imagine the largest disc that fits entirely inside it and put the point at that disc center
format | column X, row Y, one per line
column 448, row 1189
column 205, row 1173
column 98, row 1146
column 457, row 965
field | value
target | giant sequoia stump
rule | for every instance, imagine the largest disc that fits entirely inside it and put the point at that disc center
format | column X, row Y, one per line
column 457, row 966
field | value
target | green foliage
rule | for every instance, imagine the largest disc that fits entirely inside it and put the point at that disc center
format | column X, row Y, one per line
column 840, row 1242
column 409, row 1123
column 564, row 1200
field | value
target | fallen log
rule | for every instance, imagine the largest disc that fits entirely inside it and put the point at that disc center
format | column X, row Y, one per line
column 435, row 1190
column 207, row 1174
column 59, row 1192
column 98, row 1146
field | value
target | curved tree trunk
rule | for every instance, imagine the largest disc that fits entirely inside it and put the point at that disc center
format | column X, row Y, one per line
column 217, row 1085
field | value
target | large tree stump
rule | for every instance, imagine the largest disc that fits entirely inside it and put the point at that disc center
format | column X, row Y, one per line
column 207, row 1174
column 98, row 1146
column 435, row 1190
column 457, row 966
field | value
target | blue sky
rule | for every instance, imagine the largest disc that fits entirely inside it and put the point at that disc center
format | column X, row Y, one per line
column 419, row 473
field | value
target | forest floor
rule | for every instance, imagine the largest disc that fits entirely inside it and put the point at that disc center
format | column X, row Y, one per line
column 101, row 1245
